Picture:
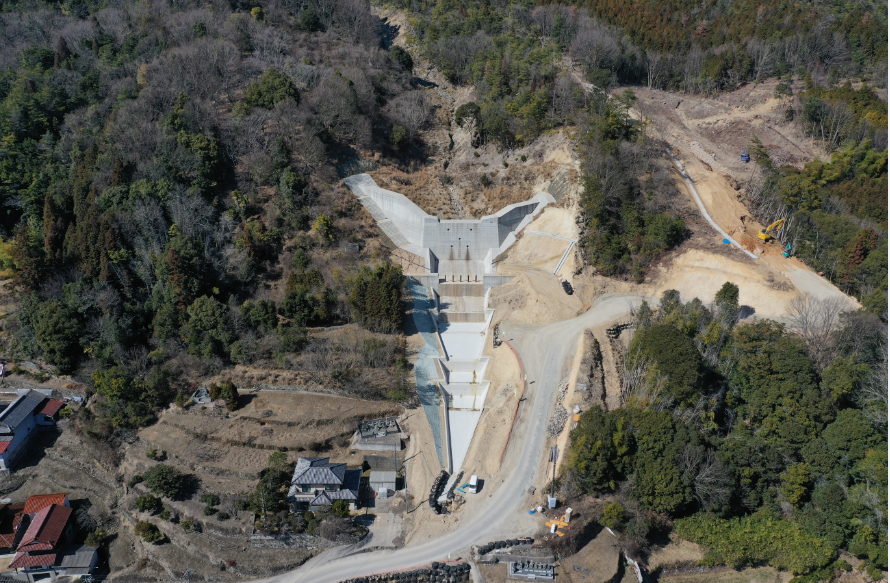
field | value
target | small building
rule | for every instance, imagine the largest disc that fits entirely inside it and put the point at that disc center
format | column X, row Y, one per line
column 382, row 434
column 18, row 425
column 48, row 415
column 317, row 484
column 382, row 482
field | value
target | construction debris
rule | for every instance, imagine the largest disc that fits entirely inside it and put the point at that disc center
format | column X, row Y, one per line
column 557, row 421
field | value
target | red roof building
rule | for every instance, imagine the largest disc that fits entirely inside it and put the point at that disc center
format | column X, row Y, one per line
column 35, row 504
column 24, row 560
column 51, row 407
column 48, row 528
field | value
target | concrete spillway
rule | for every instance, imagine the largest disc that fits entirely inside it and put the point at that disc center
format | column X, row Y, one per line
column 458, row 258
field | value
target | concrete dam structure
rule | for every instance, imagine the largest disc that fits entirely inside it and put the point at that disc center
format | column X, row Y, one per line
column 458, row 258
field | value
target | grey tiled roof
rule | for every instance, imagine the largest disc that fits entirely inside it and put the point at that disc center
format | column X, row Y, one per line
column 19, row 410
column 318, row 470
column 380, row 462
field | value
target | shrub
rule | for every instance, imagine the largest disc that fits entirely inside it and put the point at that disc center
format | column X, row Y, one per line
column 340, row 508
column 166, row 481
column 210, row 511
column 165, row 515
column 223, row 516
column 66, row 412
column 95, row 538
column 149, row 532
column 755, row 539
column 148, row 503
column 613, row 515
column 186, row 525
column 137, row 479
column 210, row 499
column 273, row 86
column 485, row 181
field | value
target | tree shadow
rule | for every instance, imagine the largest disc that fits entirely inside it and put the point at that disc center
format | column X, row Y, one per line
column 745, row 312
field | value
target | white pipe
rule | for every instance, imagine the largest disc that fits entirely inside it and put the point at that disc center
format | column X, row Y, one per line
column 704, row 211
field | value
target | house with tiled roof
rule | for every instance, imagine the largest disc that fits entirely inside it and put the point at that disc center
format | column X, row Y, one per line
column 49, row 527
column 42, row 552
column 36, row 503
column 317, row 483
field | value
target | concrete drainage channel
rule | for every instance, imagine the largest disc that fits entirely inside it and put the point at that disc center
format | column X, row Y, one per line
column 458, row 258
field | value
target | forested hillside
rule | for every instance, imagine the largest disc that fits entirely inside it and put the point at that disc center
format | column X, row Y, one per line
column 765, row 442
column 167, row 201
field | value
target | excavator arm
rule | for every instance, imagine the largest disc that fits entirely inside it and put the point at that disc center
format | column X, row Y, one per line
column 764, row 234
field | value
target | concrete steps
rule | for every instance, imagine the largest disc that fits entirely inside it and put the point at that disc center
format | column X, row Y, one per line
column 473, row 289
column 461, row 317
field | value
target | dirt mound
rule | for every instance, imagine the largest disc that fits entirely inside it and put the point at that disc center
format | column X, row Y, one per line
column 533, row 297
column 698, row 274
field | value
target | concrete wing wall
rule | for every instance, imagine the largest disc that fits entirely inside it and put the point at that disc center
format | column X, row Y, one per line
column 405, row 215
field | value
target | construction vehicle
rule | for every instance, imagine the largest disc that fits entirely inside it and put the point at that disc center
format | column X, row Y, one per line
column 787, row 252
column 745, row 157
column 764, row 234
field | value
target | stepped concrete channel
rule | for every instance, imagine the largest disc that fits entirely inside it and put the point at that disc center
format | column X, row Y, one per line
column 450, row 303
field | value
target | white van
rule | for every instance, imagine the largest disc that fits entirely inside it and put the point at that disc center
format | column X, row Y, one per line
column 474, row 482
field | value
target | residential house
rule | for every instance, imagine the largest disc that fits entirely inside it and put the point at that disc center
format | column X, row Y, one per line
column 18, row 426
column 318, row 483
column 15, row 519
column 40, row 550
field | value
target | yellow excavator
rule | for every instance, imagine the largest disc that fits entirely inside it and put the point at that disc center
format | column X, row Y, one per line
column 764, row 234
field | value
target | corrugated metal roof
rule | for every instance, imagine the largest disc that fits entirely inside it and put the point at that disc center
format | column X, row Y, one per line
column 37, row 503
column 382, row 476
column 19, row 410
column 47, row 528
column 318, row 470
column 51, row 407
column 76, row 556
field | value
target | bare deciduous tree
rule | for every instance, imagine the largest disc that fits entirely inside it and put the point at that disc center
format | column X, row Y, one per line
column 816, row 321
column 412, row 110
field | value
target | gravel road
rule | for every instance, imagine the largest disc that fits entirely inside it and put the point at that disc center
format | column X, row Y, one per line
column 543, row 350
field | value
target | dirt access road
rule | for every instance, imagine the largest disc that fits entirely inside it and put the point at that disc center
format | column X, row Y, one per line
column 707, row 136
column 543, row 350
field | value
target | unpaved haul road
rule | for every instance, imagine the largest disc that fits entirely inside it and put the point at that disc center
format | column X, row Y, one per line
column 543, row 350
